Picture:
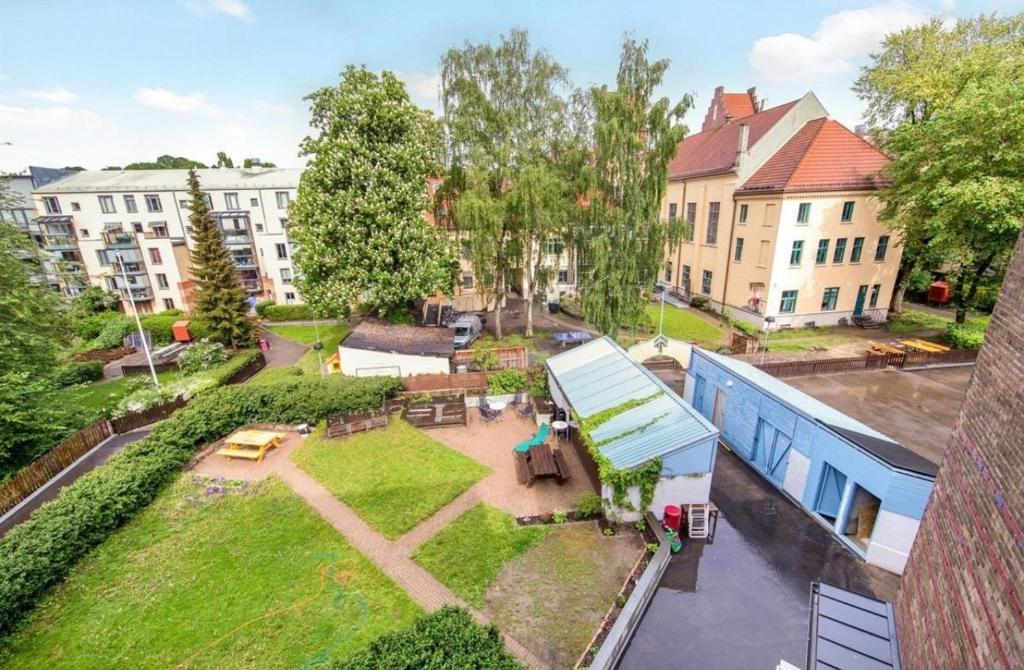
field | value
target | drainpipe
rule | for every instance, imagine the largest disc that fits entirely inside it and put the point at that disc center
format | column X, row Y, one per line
column 728, row 251
column 679, row 253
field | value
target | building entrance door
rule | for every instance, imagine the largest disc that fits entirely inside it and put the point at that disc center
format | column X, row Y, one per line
column 862, row 294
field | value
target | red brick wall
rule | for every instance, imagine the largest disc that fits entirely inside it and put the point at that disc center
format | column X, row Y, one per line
column 960, row 601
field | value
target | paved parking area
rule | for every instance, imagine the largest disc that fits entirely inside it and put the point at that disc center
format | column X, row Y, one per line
column 914, row 407
column 742, row 601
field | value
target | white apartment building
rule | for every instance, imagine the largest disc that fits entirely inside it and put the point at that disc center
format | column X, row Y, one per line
column 141, row 217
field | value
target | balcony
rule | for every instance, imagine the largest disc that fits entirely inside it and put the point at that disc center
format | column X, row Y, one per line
column 69, row 268
column 129, row 268
column 117, row 239
column 59, row 242
column 234, row 237
column 139, row 293
column 251, row 285
column 244, row 262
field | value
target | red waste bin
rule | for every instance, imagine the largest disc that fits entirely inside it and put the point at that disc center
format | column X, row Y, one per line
column 673, row 517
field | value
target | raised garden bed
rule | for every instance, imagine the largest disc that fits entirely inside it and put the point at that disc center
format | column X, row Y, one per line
column 345, row 424
column 441, row 410
column 105, row 355
column 549, row 518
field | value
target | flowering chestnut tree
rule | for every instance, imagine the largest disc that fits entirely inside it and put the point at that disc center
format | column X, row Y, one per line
column 358, row 222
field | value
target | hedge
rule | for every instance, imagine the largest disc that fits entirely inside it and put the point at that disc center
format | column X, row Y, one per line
column 448, row 639
column 40, row 552
column 78, row 372
column 967, row 335
column 160, row 327
column 284, row 312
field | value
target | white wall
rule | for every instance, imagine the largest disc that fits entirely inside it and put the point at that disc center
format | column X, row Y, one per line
column 891, row 541
column 797, row 470
column 363, row 363
column 680, row 490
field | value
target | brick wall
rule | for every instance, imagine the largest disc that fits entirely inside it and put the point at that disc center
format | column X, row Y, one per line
column 960, row 601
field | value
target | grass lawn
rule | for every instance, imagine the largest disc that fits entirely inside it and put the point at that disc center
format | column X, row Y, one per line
column 253, row 579
column 912, row 321
column 330, row 335
column 394, row 477
column 801, row 345
column 467, row 554
column 685, row 325
column 553, row 597
column 95, row 401
column 307, row 334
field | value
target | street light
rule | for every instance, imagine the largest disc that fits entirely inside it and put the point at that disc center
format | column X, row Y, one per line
column 768, row 320
column 138, row 322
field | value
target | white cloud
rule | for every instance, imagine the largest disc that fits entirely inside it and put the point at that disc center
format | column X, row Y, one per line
column 191, row 103
column 423, row 88
column 236, row 9
column 840, row 40
column 46, row 118
column 277, row 108
column 57, row 95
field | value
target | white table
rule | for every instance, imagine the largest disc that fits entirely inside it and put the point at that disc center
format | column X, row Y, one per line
column 560, row 428
column 497, row 405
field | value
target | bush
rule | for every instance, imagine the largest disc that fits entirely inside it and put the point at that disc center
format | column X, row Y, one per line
column 590, row 505
column 448, row 639
column 699, row 302
column 112, row 333
column 967, row 335
column 506, row 381
column 746, row 328
column 261, row 308
column 70, row 374
column 202, row 356
column 88, row 327
column 286, row 313
column 40, row 552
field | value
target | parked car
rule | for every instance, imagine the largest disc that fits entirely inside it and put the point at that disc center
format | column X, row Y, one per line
column 467, row 329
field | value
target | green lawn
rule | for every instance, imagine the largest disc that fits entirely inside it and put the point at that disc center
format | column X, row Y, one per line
column 394, row 478
column 307, row 334
column 801, row 345
column 95, row 401
column 330, row 334
column 469, row 553
column 253, row 579
column 685, row 325
column 912, row 321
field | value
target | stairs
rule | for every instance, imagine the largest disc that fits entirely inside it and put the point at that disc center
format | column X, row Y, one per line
column 697, row 521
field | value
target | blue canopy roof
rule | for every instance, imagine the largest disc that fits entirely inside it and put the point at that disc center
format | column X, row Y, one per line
column 600, row 375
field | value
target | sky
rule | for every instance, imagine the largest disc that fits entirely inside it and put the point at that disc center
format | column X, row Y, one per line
column 109, row 82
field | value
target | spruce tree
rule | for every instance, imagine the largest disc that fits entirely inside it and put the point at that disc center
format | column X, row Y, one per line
column 220, row 300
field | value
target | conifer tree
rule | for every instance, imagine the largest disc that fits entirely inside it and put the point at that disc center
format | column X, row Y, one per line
column 220, row 300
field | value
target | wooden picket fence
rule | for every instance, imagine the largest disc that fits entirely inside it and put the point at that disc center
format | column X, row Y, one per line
column 22, row 485
column 466, row 381
column 133, row 420
column 908, row 359
column 508, row 357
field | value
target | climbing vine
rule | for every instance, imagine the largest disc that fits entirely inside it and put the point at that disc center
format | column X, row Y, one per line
column 645, row 477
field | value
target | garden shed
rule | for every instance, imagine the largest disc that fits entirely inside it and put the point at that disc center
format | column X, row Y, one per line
column 866, row 488
column 378, row 348
column 632, row 420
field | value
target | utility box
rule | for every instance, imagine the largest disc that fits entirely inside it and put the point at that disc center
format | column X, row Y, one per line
column 180, row 331
column 938, row 293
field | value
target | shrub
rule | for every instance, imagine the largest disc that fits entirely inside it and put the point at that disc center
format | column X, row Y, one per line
column 448, row 639
column 699, row 302
column 506, row 381
column 40, row 552
column 70, row 374
column 286, row 313
column 202, row 356
column 88, row 327
column 486, row 359
column 590, row 505
column 112, row 333
column 746, row 328
column 967, row 335
column 261, row 308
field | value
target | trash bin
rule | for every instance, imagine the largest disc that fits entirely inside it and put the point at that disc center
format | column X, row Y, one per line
column 675, row 543
column 554, row 307
column 672, row 517
column 180, row 331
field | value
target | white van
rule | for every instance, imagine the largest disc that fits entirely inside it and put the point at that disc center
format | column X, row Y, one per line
column 467, row 328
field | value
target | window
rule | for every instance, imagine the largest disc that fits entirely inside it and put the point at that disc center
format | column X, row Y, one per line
column 282, row 199
column 668, row 271
column 188, row 229
column 672, row 211
column 847, row 212
column 75, row 207
column 797, row 253
column 154, row 257
column 713, row 208
column 554, row 246
column 738, row 255
column 137, row 226
column 52, row 205
column 840, row 251
column 282, row 251
column 743, row 213
column 259, row 227
column 822, row 256
column 284, row 223
column 130, row 205
column 883, row 246
column 858, row 247
column 107, row 204
column 168, row 303
column 828, row 300
column 83, row 232
column 705, row 282
column 153, row 203
column 875, row 291
column 184, row 204
column 254, row 202
column 161, row 280
column 803, row 214
column 788, row 304
column 464, row 249
column 691, row 221
column 764, row 254
column 289, row 298
column 286, row 275
column 467, row 280
column 684, row 279
column 231, row 200
column 563, row 276
column 208, row 201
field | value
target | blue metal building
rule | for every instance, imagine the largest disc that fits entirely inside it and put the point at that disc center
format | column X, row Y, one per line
column 868, row 489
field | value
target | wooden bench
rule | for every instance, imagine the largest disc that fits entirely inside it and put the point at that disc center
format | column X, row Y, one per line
column 251, row 454
column 563, row 467
column 523, row 475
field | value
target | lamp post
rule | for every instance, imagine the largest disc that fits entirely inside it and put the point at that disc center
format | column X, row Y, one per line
column 318, row 345
column 768, row 320
column 138, row 321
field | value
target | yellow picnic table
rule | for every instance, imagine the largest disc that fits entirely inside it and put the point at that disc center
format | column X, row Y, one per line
column 925, row 345
column 251, row 444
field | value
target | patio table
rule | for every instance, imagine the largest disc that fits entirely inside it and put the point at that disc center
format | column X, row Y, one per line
column 542, row 461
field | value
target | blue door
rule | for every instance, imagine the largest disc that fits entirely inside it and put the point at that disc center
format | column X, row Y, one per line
column 830, row 493
column 770, row 454
column 698, row 394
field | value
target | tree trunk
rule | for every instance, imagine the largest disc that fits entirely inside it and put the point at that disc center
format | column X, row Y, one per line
column 906, row 269
column 529, row 279
column 979, row 270
column 499, row 294
column 896, row 304
column 958, row 298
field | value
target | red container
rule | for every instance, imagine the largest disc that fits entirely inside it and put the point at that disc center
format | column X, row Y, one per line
column 180, row 331
column 938, row 292
column 673, row 517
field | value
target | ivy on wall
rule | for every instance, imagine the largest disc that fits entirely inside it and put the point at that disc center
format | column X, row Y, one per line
column 619, row 480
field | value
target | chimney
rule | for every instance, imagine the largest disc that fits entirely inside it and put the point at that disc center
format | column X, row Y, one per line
column 860, row 130
column 752, row 94
column 744, row 140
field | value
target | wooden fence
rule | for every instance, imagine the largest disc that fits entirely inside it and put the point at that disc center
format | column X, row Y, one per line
column 508, row 357
column 144, row 368
column 466, row 381
column 909, row 359
column 135, row 420
column 52, row 462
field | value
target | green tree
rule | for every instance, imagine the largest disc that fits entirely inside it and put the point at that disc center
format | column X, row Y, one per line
column 959, row 176
column 167, row 162
column 917, row 72
column 250, row 162
column 505, row 115
column 224, row 161
column 219, row 298
column 635, row 136
column 358, row 221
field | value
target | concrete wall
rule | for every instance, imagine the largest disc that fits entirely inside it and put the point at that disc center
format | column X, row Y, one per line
column 363, row 363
